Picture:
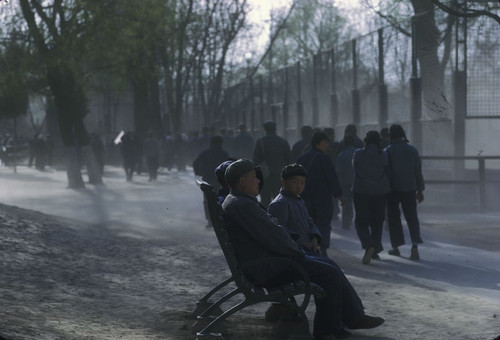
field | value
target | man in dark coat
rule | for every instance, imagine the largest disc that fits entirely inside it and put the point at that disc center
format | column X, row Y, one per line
column 208, row 160
column 304, row 144
column 243, row 144
column 271, row 153
column 255, row 236
column 321, row 186
column 152, row 153
column 129, row 154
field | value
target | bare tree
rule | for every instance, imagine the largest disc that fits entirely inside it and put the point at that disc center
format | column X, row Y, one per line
column 58, row 35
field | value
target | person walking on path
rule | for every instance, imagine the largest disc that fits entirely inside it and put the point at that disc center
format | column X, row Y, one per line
column 345, row 172
column 271, row 153
column 254, row 235
column 128, row 150
column 205, row 165
column 407, row 186
column 321, row 186
column 209, row 159
column 351, row 130
column 152, row 153
column 370, row 187
column 243, row 144
column 304, row 144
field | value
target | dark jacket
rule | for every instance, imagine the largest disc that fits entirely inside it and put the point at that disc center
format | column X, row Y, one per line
column 254, row 236
column 344, row 169
column 292, row 213
column 299, row 148
column 204, row 165
column 370, row 171
column 405, row 167
column 243, row 145
column 274, row 150
column 321, row 179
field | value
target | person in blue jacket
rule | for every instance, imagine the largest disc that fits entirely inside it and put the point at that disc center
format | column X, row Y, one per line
column 254, row 235
column 321, row 186
column 345, row 174
column 407, row 187
column 370, row 187
column 290, row 211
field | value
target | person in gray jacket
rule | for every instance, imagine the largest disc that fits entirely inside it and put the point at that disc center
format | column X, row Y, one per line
column 407, row 186
column 370, row 187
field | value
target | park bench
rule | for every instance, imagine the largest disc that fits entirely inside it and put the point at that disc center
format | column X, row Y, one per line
column 210, row 314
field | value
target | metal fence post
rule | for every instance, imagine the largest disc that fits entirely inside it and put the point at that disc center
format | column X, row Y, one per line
column 300, row 104
column 356, row 105
column 315, row 104
column 261, row 94
column 334, row 101
column 482, row 183
column 252, row 106
column 416, row 93
column 382, row 87
column 285, row 107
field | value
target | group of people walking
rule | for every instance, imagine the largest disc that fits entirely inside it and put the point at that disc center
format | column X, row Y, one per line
column 372, row 179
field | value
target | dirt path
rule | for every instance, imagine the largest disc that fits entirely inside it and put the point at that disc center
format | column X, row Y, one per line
column 134, row 257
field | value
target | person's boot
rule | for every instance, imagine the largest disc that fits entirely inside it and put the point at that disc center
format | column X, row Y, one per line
column 414, row 255
column 368, row 255
column 394, row 252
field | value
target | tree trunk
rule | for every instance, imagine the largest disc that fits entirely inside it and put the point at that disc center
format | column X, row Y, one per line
column 155, row 111
column 71, row 105
column 432, row 72
column 141, row 106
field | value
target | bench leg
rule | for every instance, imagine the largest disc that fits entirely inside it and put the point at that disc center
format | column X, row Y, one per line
column 223, row 316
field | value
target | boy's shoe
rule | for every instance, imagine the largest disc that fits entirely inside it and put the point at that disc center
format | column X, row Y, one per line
column 394, row 252
column 375, row 257
column 342, row 334
column 368, row 255
column 367, row 322
column 415, row 256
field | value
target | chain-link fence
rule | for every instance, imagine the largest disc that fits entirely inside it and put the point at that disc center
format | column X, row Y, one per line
column 378, row 79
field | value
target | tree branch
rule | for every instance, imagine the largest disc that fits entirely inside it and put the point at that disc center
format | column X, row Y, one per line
column 468, row 14
column 273, row 39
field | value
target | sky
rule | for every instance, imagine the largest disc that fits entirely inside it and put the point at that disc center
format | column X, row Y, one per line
column 261, row 9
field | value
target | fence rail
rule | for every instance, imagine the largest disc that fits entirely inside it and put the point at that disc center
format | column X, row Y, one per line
column 480, row 179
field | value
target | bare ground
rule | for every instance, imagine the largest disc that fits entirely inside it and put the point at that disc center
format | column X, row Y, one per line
column 62, row 278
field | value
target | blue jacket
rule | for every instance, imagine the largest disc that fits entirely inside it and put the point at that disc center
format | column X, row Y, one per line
column 344, row 169
column 371, row 167
column 321, row 179
column 254, row 235
column 292, row 213
column 405, row 167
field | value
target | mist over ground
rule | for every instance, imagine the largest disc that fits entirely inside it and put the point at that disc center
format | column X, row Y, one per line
column 128, row 260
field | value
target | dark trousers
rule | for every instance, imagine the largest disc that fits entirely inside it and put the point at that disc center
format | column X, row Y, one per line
column 369, row 220
column 321, row 211
column 341, row 304
column 152, row 167
column 408, row 202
